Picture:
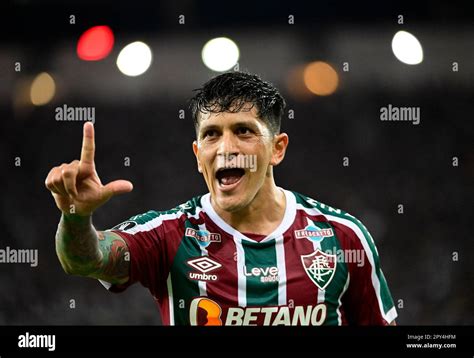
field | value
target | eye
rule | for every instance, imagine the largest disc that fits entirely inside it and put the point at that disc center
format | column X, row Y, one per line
column 244, row 130
column 209, row 133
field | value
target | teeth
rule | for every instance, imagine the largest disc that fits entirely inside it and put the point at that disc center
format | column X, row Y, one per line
column 229, row 181
column 230, row 178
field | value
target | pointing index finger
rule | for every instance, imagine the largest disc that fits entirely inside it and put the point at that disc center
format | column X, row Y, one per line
column 88, row 144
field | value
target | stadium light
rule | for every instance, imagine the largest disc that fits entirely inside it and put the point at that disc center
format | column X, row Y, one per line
column 134, row 59
column 320, row 78
column 220, row 54
column 95, row 44
column 407, row 48
column 42, row 89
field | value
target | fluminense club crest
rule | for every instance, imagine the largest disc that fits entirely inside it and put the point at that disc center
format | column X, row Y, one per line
column 320, row 267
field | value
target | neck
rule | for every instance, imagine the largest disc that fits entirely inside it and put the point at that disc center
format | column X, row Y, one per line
column 263, row 215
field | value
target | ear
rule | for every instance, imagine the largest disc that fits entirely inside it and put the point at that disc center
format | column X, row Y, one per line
column 196, row 151
column 280, row 143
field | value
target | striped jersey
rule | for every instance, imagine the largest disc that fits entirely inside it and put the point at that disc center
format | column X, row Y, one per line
column 319, row 267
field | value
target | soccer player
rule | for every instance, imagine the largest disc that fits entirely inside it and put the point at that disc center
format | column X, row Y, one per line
column 246, row 253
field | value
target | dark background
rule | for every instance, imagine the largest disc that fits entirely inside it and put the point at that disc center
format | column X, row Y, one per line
column 391, row 163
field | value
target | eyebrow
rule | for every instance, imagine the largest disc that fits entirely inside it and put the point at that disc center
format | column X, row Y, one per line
column 206, row 127
column 245, row 124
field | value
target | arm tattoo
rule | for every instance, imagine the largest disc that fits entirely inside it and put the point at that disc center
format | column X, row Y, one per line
column 115, row 262
column 84, row 251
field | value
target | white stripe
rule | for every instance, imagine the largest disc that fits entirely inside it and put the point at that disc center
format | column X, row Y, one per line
column 309, row 211
column 106, row 284
column 202, row 288
column 241, row 279
column 280, row 255
column 321, row 293
column 339, row 303
column 316, row 246
column 202, row 284
column 389, row 316
column 170, row 299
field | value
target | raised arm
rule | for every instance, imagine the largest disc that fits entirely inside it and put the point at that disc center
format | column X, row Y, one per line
column 78, row 192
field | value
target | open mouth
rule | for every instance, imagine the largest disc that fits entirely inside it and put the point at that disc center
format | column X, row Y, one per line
column 229, row 177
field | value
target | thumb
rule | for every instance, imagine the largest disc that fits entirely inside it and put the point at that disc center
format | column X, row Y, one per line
column 117, row 187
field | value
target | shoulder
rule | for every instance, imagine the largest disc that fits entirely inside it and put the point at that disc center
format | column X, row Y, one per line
column 350, row 225
column 191, row 207
column 153, row 219
column 188, row 208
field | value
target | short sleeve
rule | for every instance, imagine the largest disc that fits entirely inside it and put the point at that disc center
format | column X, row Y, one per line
column 144, row 237
column 368, row 300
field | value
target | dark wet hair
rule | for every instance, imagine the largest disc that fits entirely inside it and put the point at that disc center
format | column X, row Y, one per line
column 231, row 91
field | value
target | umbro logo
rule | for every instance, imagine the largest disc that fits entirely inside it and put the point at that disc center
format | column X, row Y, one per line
column 204, row 265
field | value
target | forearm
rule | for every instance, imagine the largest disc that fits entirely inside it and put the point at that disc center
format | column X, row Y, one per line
column 84, row 251
column 77, row 245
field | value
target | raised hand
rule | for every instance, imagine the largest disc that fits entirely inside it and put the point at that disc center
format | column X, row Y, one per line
column 76, row 187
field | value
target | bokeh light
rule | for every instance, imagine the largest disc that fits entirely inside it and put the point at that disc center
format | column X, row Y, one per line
column 42, row 89
column 320, row 78
column 95, row 44
column 134, row 59
column 220, row 54
column 407, row 48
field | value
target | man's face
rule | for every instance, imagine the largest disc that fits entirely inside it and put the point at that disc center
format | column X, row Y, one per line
column 234, row 152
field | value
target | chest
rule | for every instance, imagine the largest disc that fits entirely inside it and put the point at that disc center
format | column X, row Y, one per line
column 301, row 271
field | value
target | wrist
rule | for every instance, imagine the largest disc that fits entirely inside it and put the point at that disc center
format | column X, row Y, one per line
column 76, row 218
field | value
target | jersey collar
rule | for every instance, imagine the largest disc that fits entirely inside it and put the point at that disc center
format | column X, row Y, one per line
column 277, row 234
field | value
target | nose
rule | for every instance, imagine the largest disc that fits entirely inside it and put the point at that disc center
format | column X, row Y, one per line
column 228, row 144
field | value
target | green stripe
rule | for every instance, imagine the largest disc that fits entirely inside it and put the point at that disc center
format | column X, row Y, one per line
column 187, row 288
column 144, row 218
column 260, row 256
